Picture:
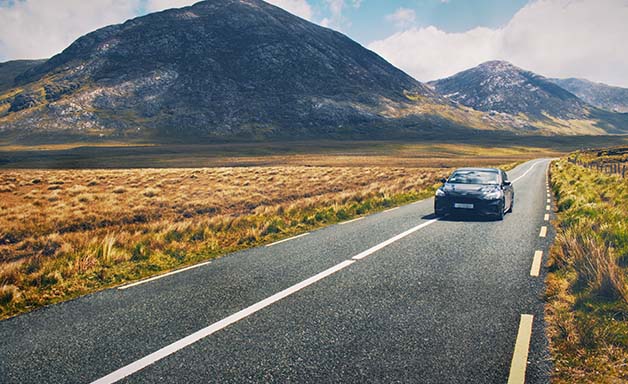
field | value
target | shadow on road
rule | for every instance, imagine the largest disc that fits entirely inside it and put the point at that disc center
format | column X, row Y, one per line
column 459, row 218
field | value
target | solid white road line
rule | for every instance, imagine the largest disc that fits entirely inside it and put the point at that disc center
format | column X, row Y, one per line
column 284, row 240
column 546, row 217
column 392, row 240
column 391, row 209
column 543, row 232
column 526, row 172
column 162, row 276
column 536, row 264
column 186, row 341
column 351, row 221
column 520, row 356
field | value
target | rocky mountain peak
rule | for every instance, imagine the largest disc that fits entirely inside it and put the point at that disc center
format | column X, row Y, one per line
column 502, row 87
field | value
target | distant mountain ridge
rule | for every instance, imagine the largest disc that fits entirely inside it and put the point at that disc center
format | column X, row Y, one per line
column 597, row 94
column 225, row 70
column 502, row 88
column 222, row 69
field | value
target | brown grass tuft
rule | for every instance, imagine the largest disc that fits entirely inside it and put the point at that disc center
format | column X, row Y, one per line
column 8, row 294
column 151, row 192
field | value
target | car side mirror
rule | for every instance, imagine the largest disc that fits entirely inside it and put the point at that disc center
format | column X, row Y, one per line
column 443, row 180
column 507, row 183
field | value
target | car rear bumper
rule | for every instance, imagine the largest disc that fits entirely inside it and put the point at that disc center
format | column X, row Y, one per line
column 443, row 205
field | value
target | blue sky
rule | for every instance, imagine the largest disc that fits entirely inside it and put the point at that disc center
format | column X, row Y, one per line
column 428, row 39
column 367, row 22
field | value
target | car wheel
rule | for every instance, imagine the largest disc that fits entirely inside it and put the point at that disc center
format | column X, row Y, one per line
column 512, row 205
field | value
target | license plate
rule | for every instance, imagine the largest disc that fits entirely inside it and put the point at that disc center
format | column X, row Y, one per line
column 463, row 206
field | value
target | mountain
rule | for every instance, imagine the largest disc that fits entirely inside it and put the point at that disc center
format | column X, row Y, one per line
column 223, row 70
column 603, row 96
column 499, row 87
column 11, row 69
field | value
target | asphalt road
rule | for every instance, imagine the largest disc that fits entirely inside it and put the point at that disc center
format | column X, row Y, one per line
column 402, row 298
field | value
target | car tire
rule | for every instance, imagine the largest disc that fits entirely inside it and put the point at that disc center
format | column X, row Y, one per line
column 512, row 205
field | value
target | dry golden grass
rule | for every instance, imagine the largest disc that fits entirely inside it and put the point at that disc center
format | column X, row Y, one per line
column 67, row 232
column 64, row 233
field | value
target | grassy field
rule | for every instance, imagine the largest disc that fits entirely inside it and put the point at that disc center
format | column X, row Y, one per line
column 587, row 309
column 442, row 153
column 67, row 232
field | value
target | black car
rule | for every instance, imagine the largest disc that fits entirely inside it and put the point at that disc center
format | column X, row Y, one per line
column 484, row 191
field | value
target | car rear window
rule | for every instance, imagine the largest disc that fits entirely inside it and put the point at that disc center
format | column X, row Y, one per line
column 474, row 177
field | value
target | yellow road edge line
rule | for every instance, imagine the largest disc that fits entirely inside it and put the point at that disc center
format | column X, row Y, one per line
column 543, row 232
column 519, row 361
column 536, row 264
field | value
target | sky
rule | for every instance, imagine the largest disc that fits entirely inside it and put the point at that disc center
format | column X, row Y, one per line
column 429, row 39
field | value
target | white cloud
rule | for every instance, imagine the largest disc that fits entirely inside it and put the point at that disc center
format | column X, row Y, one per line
column 556, row 38
column 402, row 18
column 336, row 18
column 42, row 28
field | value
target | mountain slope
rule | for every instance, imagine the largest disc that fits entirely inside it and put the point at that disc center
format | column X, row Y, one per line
column 11, row 69
column 614, row 99
column 499, row 87
column 223, row 69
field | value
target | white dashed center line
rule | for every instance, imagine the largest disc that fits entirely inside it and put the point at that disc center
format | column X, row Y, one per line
column 217, row 326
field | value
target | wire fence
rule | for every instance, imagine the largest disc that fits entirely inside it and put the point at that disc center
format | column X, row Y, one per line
column 611, row 168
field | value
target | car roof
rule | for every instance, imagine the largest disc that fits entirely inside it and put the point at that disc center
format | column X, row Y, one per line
column 479, row 169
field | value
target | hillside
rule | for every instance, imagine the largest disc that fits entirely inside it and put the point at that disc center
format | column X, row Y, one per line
column 223, row 70
column 11, row 69
column 603, row 96
column 498, row 87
